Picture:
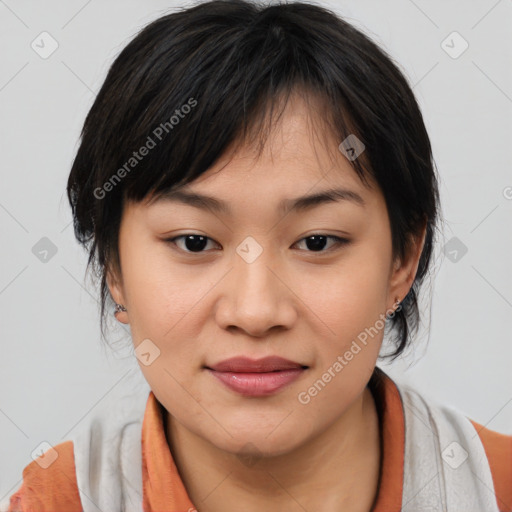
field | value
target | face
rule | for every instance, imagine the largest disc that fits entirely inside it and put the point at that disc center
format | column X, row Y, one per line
column 256, row 280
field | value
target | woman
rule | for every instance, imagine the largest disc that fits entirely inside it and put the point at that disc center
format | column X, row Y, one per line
column 255, row 187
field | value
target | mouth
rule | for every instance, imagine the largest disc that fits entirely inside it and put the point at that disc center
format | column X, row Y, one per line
column 256, row 377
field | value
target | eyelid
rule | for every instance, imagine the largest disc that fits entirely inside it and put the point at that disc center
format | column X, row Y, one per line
column 172, row 241
column 339, row 242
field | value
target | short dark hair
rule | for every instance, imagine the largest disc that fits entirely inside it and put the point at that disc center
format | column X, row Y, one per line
column 202, row 78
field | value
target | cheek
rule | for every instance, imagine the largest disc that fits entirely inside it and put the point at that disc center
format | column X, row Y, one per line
column 163, row 307
column 352, row 304
column 160, row 294
column 352, row 296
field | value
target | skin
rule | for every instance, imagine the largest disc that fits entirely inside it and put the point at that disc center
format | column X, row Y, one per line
column 292, row 301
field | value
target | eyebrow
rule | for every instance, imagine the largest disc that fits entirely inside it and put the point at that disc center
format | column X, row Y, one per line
column 298, row 204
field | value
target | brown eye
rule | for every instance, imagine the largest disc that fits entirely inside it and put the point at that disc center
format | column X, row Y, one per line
column 317, row 242
column 194, row 243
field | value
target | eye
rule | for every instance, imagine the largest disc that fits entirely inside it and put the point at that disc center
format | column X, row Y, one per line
column 318, row 241
column 194, row 243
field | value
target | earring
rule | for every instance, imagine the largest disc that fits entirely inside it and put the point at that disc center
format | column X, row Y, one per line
column 119, row 308
column 391, row 315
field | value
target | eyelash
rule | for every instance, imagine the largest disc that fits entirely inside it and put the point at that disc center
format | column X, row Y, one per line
column 340, row 242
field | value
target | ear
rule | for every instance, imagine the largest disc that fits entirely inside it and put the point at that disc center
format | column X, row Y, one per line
column 115, row 287
column 404, row 271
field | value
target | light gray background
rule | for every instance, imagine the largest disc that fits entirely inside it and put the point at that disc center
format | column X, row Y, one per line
column 54, row 370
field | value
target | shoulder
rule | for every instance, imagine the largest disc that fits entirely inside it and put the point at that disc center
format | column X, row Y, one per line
column 49, row 483
column 498, row 448
column 105, row 447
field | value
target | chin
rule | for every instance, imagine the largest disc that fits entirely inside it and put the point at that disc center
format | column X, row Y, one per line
column 256, row 444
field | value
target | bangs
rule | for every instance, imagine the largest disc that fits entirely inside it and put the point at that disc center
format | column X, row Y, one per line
column 220, row 106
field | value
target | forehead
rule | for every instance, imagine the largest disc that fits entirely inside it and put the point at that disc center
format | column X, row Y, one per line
column 301, row 154
column 299, row 139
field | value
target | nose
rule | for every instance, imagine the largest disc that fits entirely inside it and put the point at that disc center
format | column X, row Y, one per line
column 256, row 297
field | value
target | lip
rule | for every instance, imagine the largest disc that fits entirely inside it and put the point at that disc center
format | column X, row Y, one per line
column 247, row 365
column 257, row 377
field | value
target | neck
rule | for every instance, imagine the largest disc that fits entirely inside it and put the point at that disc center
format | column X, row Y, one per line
column 339, row 468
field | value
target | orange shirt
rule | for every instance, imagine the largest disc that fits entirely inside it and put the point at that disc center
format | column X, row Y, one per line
column 55, row 489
